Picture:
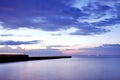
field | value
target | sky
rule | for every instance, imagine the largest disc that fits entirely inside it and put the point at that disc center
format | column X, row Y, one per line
column 60, row 27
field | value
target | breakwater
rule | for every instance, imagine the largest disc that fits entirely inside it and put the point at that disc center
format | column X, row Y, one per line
column 20, row 57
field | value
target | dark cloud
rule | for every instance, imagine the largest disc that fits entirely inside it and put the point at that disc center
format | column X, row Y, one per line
column 90, row 31
column 53, row 15
column 111, row 45
column 46, row 15
column 10, row 42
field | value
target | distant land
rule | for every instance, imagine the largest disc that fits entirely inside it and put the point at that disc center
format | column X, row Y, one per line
column 97, row 56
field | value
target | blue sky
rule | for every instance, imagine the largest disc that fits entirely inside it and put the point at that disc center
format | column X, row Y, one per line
column 56, row 27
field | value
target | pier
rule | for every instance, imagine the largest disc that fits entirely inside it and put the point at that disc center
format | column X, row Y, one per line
column 21, row 57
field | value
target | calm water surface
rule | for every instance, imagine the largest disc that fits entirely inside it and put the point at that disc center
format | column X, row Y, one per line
column 62, row 69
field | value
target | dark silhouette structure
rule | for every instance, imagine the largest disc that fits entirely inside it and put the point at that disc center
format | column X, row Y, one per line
column 21, row 57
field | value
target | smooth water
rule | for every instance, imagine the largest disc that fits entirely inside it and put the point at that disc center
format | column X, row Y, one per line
column 62, row 69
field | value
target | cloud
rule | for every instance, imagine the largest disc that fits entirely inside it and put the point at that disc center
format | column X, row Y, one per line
column 57, row 46
column 59, row 34
column 106, row 49
column 10, row 42
column 31, row 52
column 38, row 14
column 44, row 52
column 10, row 50
column 90, row 31
column 90, row 17
column 5, row 35
column 9, row 35
column 111, row 45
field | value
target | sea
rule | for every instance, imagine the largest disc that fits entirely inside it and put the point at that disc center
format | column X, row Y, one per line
column 62, row 69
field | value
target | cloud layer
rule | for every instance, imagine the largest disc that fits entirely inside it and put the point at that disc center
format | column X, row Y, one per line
column 90, row 17
column 10, row 42
column 31, row 52
column 9, row 35
column 106, row 49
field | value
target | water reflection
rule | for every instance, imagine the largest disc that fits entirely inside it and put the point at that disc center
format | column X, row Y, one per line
column 62, row 69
